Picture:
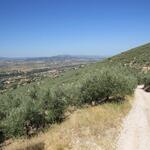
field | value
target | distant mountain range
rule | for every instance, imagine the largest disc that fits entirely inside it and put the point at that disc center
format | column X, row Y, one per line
column 29, row 63
column 54, row 58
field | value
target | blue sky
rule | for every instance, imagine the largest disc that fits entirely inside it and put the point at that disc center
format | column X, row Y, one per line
column 77, row 27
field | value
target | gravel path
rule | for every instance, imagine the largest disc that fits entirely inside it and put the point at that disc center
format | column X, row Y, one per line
column 135, row 134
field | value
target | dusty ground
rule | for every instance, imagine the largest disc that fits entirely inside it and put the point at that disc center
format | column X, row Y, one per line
column 136, row 128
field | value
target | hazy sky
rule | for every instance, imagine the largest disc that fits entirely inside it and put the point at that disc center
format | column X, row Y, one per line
column 86, row 27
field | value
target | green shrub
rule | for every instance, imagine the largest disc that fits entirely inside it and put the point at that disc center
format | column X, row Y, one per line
column 108, row 83
column 55, row 106
column 13, row 125
column 146, row 79
column 1, row 85
column 2, row 136
column 72, row 93
column 27, row 114
column 33, row 93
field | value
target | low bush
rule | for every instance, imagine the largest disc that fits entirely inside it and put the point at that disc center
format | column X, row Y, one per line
column 2, row 136
column 13, row 125
column 1, row 85
column 55, row 106
column 28, row 115
column 146, row 79
column 108, row 83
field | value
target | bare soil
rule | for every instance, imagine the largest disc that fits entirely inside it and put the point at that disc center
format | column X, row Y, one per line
column 135, row 134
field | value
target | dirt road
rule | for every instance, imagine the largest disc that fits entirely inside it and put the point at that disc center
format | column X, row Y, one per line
column 135, row 134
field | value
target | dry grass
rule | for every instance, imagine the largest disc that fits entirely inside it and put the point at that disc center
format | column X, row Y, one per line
column 92, row 128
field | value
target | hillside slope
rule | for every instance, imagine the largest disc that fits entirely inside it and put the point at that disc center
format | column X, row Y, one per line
column 139, row 56
column 69, row 84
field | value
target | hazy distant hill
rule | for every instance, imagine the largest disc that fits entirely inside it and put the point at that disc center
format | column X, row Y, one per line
column 54, row 58
column 30, row 63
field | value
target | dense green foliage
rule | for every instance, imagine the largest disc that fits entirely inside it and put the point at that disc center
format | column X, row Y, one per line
column 146, row 79
column 27, row 115
column 111, row 82
column 1, row 85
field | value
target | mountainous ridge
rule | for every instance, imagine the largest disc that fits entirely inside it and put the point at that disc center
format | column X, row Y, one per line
column 57, row 57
